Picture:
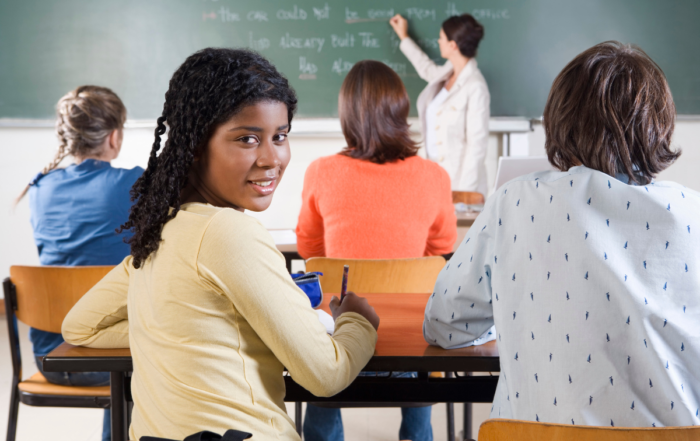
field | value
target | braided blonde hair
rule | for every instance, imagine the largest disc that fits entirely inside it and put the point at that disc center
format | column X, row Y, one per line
column 85, row 117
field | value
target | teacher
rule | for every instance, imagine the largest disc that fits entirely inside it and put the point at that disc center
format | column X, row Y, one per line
column 454, row 106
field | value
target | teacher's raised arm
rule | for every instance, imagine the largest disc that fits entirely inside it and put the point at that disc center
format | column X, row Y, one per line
column 454, row 108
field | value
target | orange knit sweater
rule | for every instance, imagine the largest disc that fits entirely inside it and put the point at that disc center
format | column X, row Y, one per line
column 357, row 209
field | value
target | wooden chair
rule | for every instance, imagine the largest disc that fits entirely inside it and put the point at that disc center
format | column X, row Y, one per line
column 41, row 297
column 409, row 276
column 507, row 430
column 467, row 197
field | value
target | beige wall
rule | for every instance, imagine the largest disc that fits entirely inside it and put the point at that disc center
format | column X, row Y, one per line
column 27, row 150
column 685, row 137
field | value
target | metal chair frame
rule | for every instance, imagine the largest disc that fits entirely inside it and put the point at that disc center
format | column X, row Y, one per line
column 17, row 396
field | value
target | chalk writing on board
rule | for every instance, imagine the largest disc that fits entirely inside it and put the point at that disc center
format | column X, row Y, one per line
column 452, row 10
column 208, row 16
column 491, row 14
column 322, row 14
column 288, row 42
column 354, row 16
column 399, row 68
column 428, row 43
column 351, row 15
column 257, row 16
column 259, row 44
column 308, row 70
column 341, row 67
column 420, row 14
column 296, row 13
column 394, row 41
column 380, row 13
column 368, row 40
column 227, row 16
column 347, row 40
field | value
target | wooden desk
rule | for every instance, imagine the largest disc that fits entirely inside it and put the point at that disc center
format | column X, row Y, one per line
column 466, row 219
column 400, row 347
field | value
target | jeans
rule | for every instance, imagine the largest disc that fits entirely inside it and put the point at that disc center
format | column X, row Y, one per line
column 326, row 424
column 81, row 379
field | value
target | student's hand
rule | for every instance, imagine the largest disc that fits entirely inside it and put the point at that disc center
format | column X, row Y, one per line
column 353, row 303
column 400, row 26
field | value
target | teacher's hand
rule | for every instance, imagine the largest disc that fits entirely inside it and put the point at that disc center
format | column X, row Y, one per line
column 400, row 26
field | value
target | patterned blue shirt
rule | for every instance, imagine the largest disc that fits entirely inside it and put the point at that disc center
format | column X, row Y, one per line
column 593, row 287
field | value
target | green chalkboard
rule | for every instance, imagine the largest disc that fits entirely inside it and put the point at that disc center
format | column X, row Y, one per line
column 133, row 46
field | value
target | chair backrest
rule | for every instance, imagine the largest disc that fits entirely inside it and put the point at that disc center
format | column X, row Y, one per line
column 43, row 295
column 506, row 430
column 467, row 197
column 379, row 276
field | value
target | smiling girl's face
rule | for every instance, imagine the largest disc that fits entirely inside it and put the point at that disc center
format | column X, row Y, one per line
column 245, row 159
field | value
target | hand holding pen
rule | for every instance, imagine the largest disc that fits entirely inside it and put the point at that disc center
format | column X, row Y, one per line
column 351, row 302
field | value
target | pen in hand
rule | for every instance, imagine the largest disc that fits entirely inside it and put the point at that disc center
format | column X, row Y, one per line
column 354, row 303
column 344, row 285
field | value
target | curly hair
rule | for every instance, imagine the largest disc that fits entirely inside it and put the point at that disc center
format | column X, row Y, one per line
column 209, row 88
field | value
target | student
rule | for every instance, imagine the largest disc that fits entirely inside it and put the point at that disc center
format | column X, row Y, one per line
column 454, row 107
column 76, row 210
column 205, row 302
column 374, row 200
column 589, row 272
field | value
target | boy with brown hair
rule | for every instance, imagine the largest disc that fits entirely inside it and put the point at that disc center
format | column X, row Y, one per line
column 587, row 273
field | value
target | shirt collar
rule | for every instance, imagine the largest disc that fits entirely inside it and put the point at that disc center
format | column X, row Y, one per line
column 87, row 166
column 468, row 70
column 622, row 177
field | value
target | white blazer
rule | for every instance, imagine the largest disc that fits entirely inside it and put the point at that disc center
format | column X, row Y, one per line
column 462, row 134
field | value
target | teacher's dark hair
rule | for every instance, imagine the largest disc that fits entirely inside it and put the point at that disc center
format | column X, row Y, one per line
column 373, row 107
column 611, row 110
column 209, row 88
column 465, row 31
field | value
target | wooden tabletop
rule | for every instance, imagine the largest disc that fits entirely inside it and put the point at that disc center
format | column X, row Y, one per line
column 401, row 328
column 466, row 219
column 400, row 346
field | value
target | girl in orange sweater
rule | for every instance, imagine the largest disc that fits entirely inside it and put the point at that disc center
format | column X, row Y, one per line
column 374, row 200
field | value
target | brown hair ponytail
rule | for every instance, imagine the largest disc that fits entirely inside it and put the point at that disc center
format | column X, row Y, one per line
column 85, row 117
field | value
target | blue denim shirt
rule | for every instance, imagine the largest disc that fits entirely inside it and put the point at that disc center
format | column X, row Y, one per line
column 74, row 214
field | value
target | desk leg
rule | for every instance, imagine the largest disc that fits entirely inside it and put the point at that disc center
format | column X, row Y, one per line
column 467, row 421
column 297, row 417
column 450, row 421
column 450, row 408
column 118, row 406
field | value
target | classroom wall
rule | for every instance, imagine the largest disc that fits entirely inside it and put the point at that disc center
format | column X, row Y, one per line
column 27, row 150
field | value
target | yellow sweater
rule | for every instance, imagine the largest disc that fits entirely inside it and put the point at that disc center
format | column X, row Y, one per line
column 212, row 318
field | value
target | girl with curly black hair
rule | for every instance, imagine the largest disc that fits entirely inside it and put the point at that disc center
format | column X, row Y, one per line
column 205, row 301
